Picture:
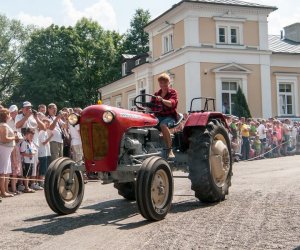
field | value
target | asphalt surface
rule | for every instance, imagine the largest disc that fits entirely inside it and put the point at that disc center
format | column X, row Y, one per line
column 262, row 211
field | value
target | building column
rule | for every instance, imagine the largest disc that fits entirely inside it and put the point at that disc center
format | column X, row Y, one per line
column 192, row 82
column 150, row 83
column 263, row 33
column 191, row 31
column 266, row 87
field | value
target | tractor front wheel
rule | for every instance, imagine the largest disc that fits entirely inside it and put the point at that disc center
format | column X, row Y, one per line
column 154, row 189
column 63, row 195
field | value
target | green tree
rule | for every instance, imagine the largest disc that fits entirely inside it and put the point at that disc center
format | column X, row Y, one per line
column 115, row 68
column 97, row 55
column 136, row 39
column 66, row 65
column 49, row 67
column 241, row 108
column 13, row 38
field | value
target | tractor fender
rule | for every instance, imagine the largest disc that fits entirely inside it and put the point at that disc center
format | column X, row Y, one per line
column 201, row 119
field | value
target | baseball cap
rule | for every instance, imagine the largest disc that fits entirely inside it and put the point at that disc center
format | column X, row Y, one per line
column 13, row 108
column 26, row 104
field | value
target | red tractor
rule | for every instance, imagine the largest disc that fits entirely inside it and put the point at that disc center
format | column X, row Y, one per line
column 126, row 148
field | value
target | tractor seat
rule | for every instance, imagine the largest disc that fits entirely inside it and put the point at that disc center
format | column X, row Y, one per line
column 179, row 120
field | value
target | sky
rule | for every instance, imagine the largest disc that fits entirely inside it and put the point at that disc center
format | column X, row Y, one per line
column 116, row 14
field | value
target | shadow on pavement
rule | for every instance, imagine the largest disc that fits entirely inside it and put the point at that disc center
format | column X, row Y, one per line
column 189, row 205
column 113, row 212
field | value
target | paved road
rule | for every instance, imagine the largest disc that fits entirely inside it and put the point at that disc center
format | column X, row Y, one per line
column 261, row 212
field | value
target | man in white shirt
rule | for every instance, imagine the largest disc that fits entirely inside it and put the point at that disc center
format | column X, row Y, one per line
column 286, row 135
column 76, row 143
column 262, row 133
column 262, row 130
column 29, row 119
column 44, row 151
column 294, row 133
column 56, row 126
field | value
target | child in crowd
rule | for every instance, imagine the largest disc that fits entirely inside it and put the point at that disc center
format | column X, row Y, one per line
column 28, row 151
column 44, row 152
column 253, row 130
column 235, row 149
column 257, row 146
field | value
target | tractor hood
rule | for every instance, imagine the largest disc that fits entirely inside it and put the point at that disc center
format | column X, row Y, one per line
column 102, row 128
column 124, row 118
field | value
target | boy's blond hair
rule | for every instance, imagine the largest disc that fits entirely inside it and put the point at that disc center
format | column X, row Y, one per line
column 164, row 77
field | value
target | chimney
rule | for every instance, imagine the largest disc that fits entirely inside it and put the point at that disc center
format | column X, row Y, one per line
column 292, row 32
column 281, row 34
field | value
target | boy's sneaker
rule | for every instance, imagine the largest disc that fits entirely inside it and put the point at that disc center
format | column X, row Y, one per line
column 21, row 188
column 35, row 186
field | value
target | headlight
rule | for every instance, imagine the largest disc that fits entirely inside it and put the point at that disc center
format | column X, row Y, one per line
column 73, row 119
column 108, row 116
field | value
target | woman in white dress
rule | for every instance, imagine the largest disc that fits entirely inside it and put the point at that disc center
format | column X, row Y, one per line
column 7, row 143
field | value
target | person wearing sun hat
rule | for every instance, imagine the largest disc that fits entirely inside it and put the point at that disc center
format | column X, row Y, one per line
column 13, row 110
column 29, row 119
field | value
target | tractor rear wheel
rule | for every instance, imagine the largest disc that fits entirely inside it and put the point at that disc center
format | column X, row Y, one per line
column 127, row 190
column 210, row 162
column 62, row 196
column 154, row 189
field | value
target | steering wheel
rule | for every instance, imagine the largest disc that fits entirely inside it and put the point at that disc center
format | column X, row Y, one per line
column 147, row 106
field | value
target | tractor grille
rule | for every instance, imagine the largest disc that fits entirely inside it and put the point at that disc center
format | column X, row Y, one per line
column 98, row 147
column 100, row 140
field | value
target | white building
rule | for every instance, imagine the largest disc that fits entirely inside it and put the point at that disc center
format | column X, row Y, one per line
column 209, row 48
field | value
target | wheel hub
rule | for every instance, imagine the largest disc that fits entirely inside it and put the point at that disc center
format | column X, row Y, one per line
column 160, row 189
column 69, row 184
column 219, row 160
column 68, row 190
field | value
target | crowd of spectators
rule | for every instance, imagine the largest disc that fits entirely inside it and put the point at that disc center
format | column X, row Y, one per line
column 29, row 141
column 258, row 138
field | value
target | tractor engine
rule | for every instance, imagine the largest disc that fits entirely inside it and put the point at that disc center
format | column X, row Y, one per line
column 139, row 142
column 134, row 146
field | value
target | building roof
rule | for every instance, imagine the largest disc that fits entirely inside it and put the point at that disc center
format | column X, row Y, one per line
column 284, row 46
column 294, row 24
column 234, row 3
column 217, row 2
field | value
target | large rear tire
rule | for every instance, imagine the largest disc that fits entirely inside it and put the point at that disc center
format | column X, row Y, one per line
column 210, row 162
column 154, row 189
column 127, row 190
column 61, row 196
